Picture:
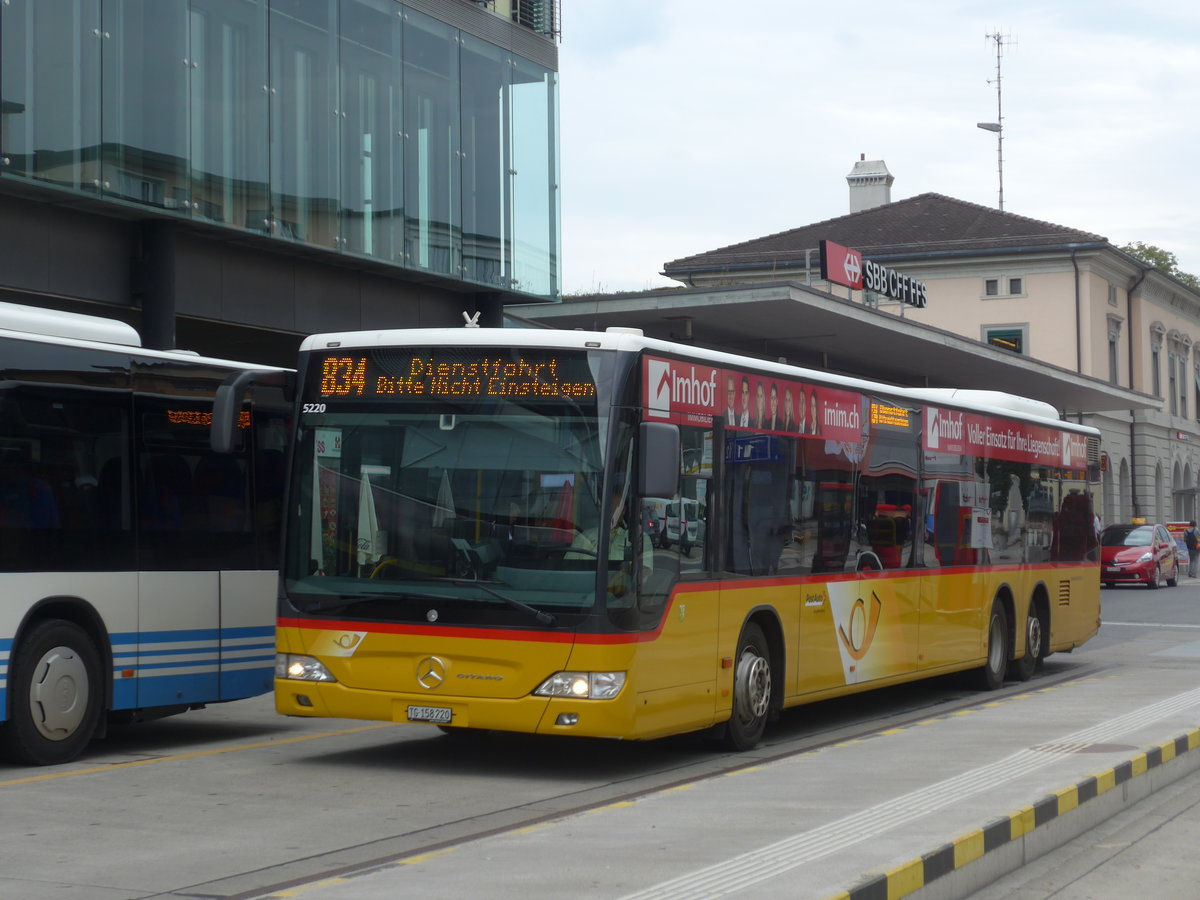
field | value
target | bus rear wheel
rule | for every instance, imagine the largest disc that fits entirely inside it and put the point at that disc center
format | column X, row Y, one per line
column 751, row 690
column 56, row 694
column 990, row 675
column 1035, row 645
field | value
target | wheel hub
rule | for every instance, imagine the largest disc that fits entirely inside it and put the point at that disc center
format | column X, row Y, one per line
column 753, row 690
column 58, row 693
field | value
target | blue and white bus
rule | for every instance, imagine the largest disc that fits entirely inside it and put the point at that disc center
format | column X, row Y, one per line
column 137, row 568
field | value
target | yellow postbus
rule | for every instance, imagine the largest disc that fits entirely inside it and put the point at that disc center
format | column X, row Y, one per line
column 470, row 516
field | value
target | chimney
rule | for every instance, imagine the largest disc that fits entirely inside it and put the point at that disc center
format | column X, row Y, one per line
column 870, row 184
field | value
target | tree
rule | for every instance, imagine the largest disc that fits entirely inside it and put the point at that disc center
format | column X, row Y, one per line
column 1163, row 260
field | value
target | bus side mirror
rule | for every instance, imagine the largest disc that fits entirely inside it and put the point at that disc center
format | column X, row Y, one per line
column 659, row 467
column 227, row 404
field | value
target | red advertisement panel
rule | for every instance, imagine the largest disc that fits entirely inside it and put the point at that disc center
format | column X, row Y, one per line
column 692, row 393
column 972, row 434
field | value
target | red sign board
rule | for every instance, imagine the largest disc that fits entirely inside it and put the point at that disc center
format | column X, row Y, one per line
column 841, row 265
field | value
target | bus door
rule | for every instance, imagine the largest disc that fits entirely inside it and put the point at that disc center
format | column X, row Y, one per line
column 877, row 613
column 205, row 600
column 957, row 541
column 681, row 664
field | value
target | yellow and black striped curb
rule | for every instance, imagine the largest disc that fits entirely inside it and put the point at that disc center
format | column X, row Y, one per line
column 951, row 857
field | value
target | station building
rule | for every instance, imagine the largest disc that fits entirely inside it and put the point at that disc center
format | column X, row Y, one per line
column 229, row 175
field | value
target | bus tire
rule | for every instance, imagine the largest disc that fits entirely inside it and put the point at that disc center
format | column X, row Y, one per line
column 1036, row 632
column 751, row 690
column 990, row 675
column 56, row 694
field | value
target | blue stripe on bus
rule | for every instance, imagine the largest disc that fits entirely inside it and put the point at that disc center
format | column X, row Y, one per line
column 249, row 631
column 192, row 634
column 207, row 649
column 247, row 682
column 166, row 637
column 196, row 663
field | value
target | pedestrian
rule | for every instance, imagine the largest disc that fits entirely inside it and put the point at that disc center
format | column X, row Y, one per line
column 1190, row 541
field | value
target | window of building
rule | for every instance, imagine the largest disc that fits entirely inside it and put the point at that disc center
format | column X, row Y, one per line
column 1004, row 286
column 1171, row 384
column 1114, row 356
column 1155, row 373
column 1183, row 387
column 1112, row 295
column 1009, row 337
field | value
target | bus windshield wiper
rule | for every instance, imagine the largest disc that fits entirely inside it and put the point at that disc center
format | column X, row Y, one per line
column 358, row 599
column 544, row 617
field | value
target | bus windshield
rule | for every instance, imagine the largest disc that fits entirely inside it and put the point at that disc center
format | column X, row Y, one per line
column 466, row 509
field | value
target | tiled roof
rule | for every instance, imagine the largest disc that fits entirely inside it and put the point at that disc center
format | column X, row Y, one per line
column 924, row 224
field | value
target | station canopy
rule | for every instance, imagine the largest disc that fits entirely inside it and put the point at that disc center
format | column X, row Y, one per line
column 804, row 326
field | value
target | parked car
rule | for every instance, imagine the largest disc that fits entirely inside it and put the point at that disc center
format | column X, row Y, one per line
column 682, row 521
column 655, row 511
column 1138, row 553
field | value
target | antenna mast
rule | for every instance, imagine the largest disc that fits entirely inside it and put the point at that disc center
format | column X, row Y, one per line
column 998, row 126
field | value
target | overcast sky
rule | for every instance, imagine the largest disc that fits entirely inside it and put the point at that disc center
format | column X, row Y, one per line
column 689, row 125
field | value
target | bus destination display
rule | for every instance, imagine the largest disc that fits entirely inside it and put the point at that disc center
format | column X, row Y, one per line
column 450, row 373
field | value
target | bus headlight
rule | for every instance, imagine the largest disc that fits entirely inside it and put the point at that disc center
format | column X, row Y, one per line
column 583, row 685
column 293, row 667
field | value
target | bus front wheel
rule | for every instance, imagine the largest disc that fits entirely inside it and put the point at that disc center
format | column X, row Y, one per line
column 56, row 694
column 751, row 690
column 991, row 673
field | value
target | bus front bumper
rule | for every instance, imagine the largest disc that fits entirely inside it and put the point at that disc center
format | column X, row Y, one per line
column 529, row 715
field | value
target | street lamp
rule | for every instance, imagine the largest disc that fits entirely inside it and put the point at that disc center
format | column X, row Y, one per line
column 997, row 129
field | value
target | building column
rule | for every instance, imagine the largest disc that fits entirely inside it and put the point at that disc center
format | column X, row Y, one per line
column 157, row 283
column 490, row 309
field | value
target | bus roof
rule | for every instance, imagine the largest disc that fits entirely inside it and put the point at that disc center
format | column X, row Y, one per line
column 57, row 323
column 66, row 329
column 633, row 340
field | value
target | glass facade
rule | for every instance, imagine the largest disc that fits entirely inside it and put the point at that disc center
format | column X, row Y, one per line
column 361, row 127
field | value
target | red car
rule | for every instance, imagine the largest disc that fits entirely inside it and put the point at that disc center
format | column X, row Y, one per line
column 1138, row 554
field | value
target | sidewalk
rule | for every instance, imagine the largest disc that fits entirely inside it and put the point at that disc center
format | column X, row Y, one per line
column 937, row 809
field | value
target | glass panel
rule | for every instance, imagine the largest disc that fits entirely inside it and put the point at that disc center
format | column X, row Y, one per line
column 229, row 114
column 485, row 163
column 64, row 448
column 304, row 117
column 144, row 122
column 372, row 129
column 193, row 504
column 432, row 161
column 758, row 472
column 535, row 181
column 50, row 72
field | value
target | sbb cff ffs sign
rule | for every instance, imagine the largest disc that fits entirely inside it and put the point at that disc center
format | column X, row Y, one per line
column 845, row 266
